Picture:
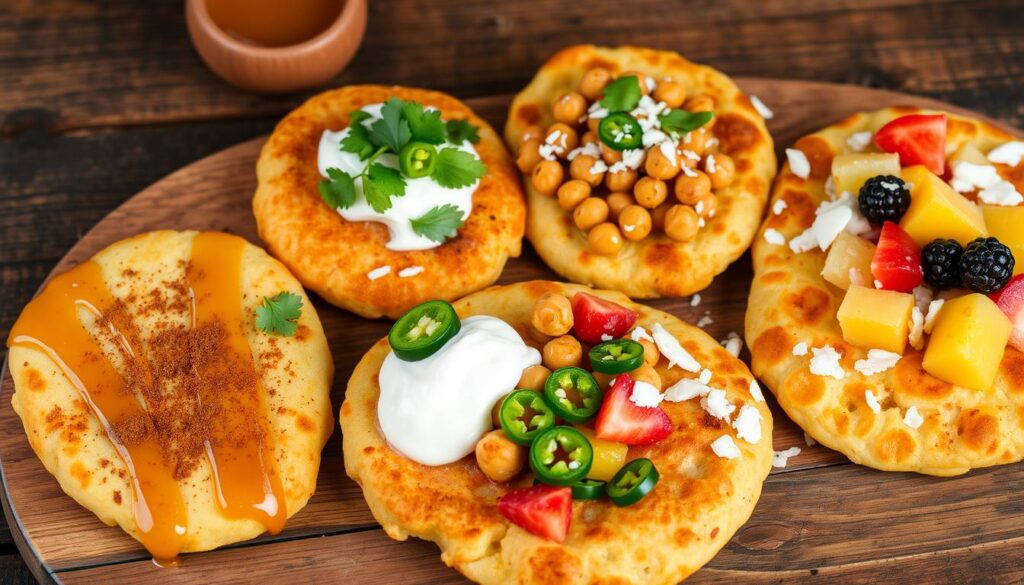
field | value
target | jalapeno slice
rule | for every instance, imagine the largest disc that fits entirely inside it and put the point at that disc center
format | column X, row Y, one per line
column 620, row 131
column 634, row 481
column 423, row 330
column 574, row 394
column 561, row 456
column 616, row 357
column 417, row 159
column 524, row 414
column 588, row 489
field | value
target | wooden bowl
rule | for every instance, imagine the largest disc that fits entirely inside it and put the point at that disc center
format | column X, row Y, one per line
column 277, row 69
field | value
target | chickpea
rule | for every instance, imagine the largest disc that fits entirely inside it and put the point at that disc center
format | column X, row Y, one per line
column 640, row 78
column 690, row 190
column 635, row 222
column 603, row 380
column 529, row 155
column 533, row 132
column 616, row 203
column 590, row 212
column 660, row 166
column 609, row 155
column 593, row 82
column 534, row 378
column 696, row 141
column 498, row 457
column 547, row 176
column 589, row 137
column 650, row 192
column 605, row 239
column 583, row 167
column 552, row 314
column 706, row 206
column 572, row 193
column 569, row 108
column 620, row 181
column 658, row 215
column 681, row 223
column 651, row 353
column 562, row 352
column 593, row 124
column 671, row 92
column 721, row 169
column 496, row 411
column 565, row 138
column 647, row 373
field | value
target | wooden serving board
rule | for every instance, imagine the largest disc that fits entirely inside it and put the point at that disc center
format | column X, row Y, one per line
column 820, row 518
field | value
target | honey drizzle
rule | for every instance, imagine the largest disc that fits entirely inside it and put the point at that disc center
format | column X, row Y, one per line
column 244, row 472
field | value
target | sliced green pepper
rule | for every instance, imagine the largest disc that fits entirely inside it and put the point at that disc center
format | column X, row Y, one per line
column 588, row 489
column 574, row 394
column 417, row 159
column 561, row 456
column 620, row 131
column 423, row 330
column 616, row 357
column 634, row 481
column 523, row 414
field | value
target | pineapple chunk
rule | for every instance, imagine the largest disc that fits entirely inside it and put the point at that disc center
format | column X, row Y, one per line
column 937, row 211
column 967, row 153
column 1007, row 224
column 967, row 342
column 609, row 456
column 851, row 171
column 849, row 261
column 876, row 319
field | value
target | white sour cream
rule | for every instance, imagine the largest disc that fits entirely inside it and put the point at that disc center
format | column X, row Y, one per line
column 435, row 410
column 421, row 195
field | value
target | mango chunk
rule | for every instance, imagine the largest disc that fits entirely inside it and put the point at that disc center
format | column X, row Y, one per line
column 849, row 261
column 851, row 171
column 609, row 456
column 876, row 319
column 967, row 342
column 937, row 211
column 1007, row 224
column 967, row 153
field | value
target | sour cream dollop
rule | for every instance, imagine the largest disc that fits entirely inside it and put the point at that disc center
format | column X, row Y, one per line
column 435, row 410
column 421, row 195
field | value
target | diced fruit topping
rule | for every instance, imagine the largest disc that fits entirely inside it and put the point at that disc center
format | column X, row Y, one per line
column 967, row 342
column 609, row 456
column 897, row 261
column 543, row 510
column 937, row 211
column 596, row 320
column 919, row 139
column 941, row 262
column 876, row 319
column 986, row 266
column 851, row 171
column 884, row 198
column 849, row 261
column 1006, row 224
column 1011, row 301
column 623, row 421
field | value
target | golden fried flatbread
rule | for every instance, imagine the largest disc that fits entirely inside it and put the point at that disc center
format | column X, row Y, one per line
column 333, row 257
column 699, row 503
column 791, row 303
column 655, row 266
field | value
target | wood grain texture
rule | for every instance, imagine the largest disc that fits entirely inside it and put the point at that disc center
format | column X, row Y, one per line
column 819, row 514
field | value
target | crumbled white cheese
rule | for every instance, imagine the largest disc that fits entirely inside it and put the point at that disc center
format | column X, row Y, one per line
column 878, row 283
column 705, row 321
column 755, row 391
column 1008, row 153
column 779, row 206
column 933, row 311
column 858, row 141
column 641, row 333
column 410, row 271
column 598, row 167
column 748, row 424
column 1002, row 193
column 589, row 149
column 695, row 300
column 651, row 84
column 828, row 225
column 549, row 151
column 668, row 150
column 733, row 343
column 913, row 418
column 709, row 164
column 774, row 237
column 761, row 108
column 669, row 347
column 688, row 171
column 645, row 394
column 689, row 154
column 725, row 447
column 798, row 163
column 800, row 349
column 857, row 224
column 916, row 328
column 606, row 337
column 711, row 143
column 717, row 405
column 805, row 242
column 705, row 376
column 652, row 137
column 596, row 111
column 830, row 187
column 379, row 272
column 878, row 361
column 809, row 440
column 872, row 401
column 781, row 458
column 968, row 176
column 633, row 157
column 826, row 362
column 686, row 389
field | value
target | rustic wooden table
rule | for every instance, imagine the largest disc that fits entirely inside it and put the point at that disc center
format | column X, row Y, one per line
column 100, row 99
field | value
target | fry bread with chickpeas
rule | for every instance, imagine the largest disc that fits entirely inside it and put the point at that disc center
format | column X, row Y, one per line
column 646, row 173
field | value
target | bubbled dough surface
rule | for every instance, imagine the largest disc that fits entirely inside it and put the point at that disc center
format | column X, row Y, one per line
column 332, row 256
column 655, row 266
column 72, row 446
column 791, row 303
column 697, row 506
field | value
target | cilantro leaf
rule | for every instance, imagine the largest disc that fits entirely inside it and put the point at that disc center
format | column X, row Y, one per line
column 339, row 190
column 456, row 168
column 357, row 141
column 391, row 130
column 622, row 95
column 425, row 126
column 681, row 121
column 460, row 131
column 279, row 314
column 358, row 117
column 438, row 224
column 380, row 184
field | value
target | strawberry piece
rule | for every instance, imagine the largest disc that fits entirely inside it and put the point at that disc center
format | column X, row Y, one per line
column 1011, row 300
column 897, row 260
column 623, row 421
column 595, row 317
column 919, row 139
column 543, row 510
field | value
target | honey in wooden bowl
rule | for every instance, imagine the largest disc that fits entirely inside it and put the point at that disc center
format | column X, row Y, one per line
column 272, row 23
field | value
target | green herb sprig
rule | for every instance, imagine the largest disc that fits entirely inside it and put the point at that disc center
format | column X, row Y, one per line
column 279, row 314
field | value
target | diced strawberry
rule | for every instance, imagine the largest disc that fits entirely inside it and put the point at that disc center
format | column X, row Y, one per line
column 544, row 510
column 594, row 317
column 919, row 139
column 897, row 260
column 623, row 421
column 1011, row 301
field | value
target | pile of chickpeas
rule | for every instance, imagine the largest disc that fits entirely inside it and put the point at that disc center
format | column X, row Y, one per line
column 630, row 203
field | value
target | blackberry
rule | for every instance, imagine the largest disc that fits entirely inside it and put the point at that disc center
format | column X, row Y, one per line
column 884, row 198
column 941, row 262
column 986, row 266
